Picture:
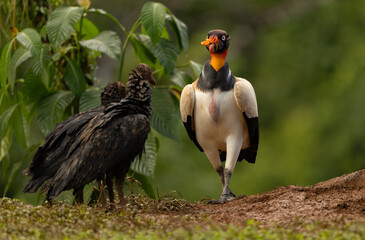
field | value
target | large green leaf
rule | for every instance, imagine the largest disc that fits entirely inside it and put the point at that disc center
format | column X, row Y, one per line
column 41, row 55
column 146, row 165
column 5, row 118
column 2, row 93
column 145, row 184
column 62, row 24
column 106, row 42
column 10, row 177
column 51, row 108
column 5, row 100
column 165, row 51
column 5, row 143
column 4, row 64
column 164, row 113
column 75, row 79
column 153, row 19
column 33, row 88
column 196, row 67
column 143, row 53
column 180, row 78
column 20, row 125
column 89, row 30
column 181, row 31
column 90, row 99
column 31, row 39
column 50, row 76
column 5, row 131
column 38, row 64
column 21, row 55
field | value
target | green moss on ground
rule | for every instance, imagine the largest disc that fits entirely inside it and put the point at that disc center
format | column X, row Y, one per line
column 143, row 218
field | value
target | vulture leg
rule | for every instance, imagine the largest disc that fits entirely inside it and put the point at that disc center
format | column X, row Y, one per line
column 220, row 172
column 213, row 156
column 102, row 197
column 119, row 180
column 79, row 196
column 233, row 150
column 227, row 194
column 109, row 184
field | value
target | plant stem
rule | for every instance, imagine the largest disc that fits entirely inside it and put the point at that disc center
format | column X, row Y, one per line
column 79, row 37
column 102, row 12
column 13, row 31
column 157, row 71
column 13, row 14
column 134, row 28
column 124, row 30
column 81, row 21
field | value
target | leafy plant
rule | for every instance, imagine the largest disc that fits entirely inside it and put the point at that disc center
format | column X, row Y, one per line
column 47, row 72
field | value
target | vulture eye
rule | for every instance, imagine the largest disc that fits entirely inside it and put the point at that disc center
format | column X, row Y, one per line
column 223, row 37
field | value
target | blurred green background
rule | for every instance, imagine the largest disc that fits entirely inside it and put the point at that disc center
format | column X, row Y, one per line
column 305, row 60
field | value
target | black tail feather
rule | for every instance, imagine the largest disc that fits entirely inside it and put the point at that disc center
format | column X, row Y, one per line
column 33, row 184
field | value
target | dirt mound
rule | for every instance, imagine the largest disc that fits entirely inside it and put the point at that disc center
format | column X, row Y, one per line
column 341, row 198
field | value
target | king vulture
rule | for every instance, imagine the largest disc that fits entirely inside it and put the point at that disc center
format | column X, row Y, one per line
column 219, row 113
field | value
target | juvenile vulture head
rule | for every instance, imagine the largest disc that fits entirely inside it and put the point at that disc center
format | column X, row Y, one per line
column 113, row 92
column 145, row 72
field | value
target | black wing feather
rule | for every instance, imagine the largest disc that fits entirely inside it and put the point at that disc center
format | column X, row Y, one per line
column 191, row 132
column 52, row 154
column 253, row 130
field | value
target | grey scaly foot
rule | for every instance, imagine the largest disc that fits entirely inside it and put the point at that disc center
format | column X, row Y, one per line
column 226, row 197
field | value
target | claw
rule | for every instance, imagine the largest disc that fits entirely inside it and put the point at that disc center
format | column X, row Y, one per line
column 223, row 199
column 214, row 201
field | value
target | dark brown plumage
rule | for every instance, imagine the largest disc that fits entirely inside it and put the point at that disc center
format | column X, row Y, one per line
column 103, row 140
column 113, row 92
column 50, row 156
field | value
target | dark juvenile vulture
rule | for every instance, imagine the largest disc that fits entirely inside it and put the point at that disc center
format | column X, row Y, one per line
column 103, row 140
column 51, row 155
column 219, row 112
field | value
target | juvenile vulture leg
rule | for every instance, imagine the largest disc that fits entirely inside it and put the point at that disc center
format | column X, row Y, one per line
column 102, row 197
column 109, row 184
column 79, row 196
column 47, row 202
column 119, row 184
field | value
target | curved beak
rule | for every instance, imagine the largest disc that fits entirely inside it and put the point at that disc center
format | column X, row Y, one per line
column 212, row 43
column 152, row 80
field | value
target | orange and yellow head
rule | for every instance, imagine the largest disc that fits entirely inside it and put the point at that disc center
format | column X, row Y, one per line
column 217, row 41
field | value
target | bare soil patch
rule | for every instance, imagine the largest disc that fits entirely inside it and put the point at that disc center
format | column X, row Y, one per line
column 338, row 200
column 341, row 198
